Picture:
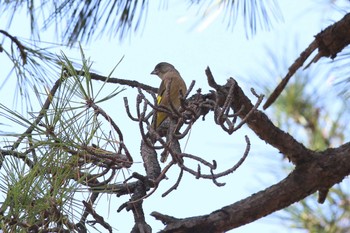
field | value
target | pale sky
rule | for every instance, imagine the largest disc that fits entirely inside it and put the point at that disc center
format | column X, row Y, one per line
column 172, row 35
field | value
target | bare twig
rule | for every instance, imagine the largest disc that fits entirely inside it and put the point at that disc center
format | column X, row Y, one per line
column 129, row 83
column 255, row 107
column 22, row 156
column 291, row 71
column 98, row 218
column 189, row 89
column 126, row 104
column 211, row 80
column 19, row 45
column 174, row 187
column 99, row 110
column 81, row 224
column 213, row 176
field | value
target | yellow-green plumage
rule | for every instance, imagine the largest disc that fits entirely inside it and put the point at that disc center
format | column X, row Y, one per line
column 171, row 78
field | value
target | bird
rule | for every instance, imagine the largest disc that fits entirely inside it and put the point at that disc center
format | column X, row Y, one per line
column 171, row 79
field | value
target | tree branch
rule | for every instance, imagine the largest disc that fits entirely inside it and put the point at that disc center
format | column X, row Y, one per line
column 261, row 124
column 317, row 173
column 129, row 83
column 329, row 42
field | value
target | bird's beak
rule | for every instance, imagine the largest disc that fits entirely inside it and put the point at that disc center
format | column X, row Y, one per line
column 154, row 72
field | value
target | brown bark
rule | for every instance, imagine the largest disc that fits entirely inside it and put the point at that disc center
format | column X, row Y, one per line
column 329, row 43
column 314, row 171
column 322, row 170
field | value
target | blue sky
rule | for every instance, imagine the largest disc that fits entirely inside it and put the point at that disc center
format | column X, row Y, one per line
column 172, row 35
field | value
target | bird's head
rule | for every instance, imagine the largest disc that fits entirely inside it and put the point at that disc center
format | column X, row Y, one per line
column 162, row 68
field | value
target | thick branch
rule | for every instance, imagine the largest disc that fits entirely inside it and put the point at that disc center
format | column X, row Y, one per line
column 322, row 171
column 150, row 161
column 261, row 124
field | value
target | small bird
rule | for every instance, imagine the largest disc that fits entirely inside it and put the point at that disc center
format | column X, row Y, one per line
column 171, row 78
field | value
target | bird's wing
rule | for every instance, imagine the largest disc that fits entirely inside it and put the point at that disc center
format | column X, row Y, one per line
column 161, row 92
column 159, row 116
column 173, row 81
column 176, row 84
